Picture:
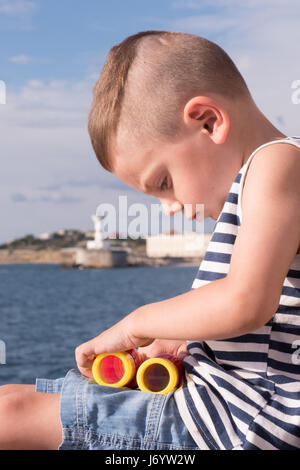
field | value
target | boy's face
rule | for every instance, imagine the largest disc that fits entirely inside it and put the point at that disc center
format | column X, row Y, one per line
column 188, row 172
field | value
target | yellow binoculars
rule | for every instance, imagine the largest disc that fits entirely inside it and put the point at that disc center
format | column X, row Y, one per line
column 160, row 374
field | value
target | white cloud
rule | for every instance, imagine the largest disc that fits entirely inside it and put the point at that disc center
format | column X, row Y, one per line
column 44, row 138
column 262, row 37
column 205, row 22
column 48, row 104
column 17, row 14
column 236, row 4
column 55, row 198
column 21, row 59
column 16, row 7
column 50, row 177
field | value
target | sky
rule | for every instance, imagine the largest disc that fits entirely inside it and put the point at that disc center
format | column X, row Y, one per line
column 50, row 57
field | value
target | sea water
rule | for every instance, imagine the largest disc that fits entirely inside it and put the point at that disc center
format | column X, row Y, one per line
column 46, row 311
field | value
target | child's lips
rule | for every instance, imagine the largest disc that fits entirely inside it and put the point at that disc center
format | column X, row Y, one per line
column 198, row 216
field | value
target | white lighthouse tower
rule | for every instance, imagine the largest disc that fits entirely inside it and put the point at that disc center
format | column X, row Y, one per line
column 98, row 243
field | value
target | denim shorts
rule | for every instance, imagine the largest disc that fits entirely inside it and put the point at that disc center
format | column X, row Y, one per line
column 108, row 418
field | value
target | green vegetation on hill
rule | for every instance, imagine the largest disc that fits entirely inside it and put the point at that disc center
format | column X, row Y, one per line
column 55, row 241
column 67, row 239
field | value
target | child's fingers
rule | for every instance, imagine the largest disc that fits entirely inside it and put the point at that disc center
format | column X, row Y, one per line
column 86, row 372
column 182, row 355
column 85, row 356
column 182, row 352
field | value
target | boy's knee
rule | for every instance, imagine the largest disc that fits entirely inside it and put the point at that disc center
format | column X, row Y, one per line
column 10, row 406
column 29, row 421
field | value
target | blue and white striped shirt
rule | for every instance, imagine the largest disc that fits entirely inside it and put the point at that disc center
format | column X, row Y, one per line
column 244, row 392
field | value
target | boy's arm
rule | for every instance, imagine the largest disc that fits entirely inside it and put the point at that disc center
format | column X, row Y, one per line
column 248, row 296
column 266, row 244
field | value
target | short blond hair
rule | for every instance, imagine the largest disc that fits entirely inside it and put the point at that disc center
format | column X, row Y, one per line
column 146, row 80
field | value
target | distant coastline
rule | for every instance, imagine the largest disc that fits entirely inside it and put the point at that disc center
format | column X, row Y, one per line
column 62, row 257
column 61, row 248
column 28, row 256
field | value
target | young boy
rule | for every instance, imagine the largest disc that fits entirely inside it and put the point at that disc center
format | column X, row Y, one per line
column 172, row 117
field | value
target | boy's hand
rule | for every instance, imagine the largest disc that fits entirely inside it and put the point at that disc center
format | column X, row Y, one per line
column 119, row 337
column 165, row 346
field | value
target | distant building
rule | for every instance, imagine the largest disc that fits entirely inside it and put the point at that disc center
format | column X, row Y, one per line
column 45, row 236
column 184, row 245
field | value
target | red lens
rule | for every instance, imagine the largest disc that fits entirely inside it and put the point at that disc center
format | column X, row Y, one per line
column 111, row 369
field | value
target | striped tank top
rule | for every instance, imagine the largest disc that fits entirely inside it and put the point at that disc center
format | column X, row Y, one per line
column 244, row 392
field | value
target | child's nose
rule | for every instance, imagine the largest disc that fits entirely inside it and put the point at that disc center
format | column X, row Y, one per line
column 170, row 208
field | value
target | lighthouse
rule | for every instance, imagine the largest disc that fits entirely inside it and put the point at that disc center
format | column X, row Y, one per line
column 98, row 243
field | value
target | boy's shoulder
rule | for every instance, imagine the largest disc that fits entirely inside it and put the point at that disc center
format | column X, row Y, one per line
column 275, row 167
column 269, row 235
column 280, row 147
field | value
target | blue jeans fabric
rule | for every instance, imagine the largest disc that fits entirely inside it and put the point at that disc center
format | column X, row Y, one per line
column 109, row 418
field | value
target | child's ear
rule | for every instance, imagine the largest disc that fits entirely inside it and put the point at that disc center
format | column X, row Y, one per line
column 206, row 116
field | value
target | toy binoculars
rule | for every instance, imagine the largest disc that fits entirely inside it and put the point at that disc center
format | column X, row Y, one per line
column 160, row 374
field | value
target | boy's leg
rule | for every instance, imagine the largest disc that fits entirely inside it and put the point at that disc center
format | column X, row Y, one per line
column 29, row 420
column 11, row 388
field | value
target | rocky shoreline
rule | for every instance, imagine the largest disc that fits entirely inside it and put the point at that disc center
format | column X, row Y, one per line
column 27, row 256
column 65, row 258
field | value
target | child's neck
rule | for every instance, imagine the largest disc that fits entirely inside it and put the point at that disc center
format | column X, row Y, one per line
column 255, row 131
